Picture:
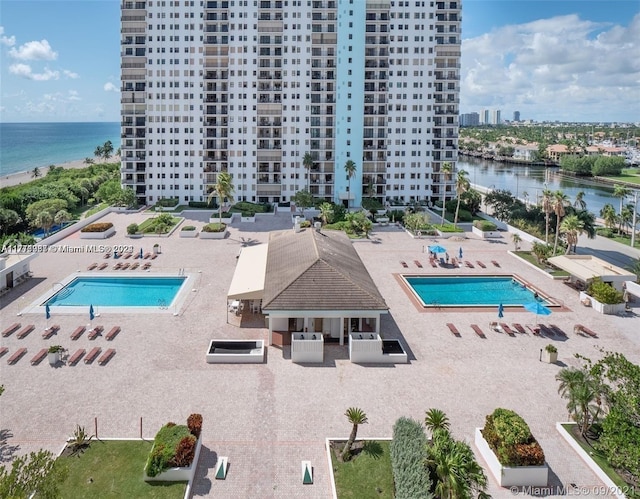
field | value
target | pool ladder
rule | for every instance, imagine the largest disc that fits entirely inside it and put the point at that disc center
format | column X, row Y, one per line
column 162, row 304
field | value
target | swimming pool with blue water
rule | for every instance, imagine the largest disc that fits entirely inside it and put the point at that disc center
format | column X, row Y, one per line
column 117, row 292
column 470, row 291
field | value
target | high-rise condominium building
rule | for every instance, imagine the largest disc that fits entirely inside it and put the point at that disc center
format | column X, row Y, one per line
column 250, row 86
column 516, row 116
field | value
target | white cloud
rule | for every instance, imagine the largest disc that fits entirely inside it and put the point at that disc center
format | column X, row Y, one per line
column 34, row 51
column 563, row 68
column 9, row 41
column 70, row 74
column 25, row 71
column 73, row 95
column 110, row 87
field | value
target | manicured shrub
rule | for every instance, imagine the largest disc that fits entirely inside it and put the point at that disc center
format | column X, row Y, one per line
column 97, row 227
column 164, row 448
column 214, row 227
column 188, row 228
column 464, row 215
column 132, row 229
column 485, row 225
column 198, row 204
column 604, row 293
column 396, row 215
column 408, row 460
column 511, row 440
column 184, row 453
column 194, row 423
column 167, row 202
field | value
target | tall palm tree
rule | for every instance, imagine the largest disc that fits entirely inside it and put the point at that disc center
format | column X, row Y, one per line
column 107, row 150
column 560, row 201
column 223, row 189
column 547, row 207
column 44, row 220
column 525, row 195
column 356, row 417
column 580, row 203
column 61, row 217
column 608, row 214
column 447, row 169
column 462, row 186
column 435, row 419
column 99, row 152
column 620, row 191
column 307, row 162
column 35, row 173
column 350, row 168
column 572, row 226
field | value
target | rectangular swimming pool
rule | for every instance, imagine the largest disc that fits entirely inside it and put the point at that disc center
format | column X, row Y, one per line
column 131, row 291
column 470, row 291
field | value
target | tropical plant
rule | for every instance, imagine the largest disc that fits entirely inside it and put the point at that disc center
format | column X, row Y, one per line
column 462, row 185
column 132, row 229
column 88, row 161
column 356, row 417
column 604, row 292
column 107, row 150
column 608, row 214
column 435, row 419
column 547, row 207
column 8, row 218
column 99, row 151
column 350, row 169
column 80, row 439
column 515, row 237
column 62, row 216
column 302, row 199
column 35, row 173
column 635, row 268
column 572, row 227
column 583, row 392
column 223, row 189
column 307, row 162
column 326, row 213
column 447, row 169
column 541, row 251
column 580, row 203
column 551, row 349
column 408, row 451
column 44, row 220
column 38, row 473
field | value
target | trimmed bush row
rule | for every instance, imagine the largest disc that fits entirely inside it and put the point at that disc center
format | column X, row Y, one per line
column 408, row 457
column 174, row 446
column 168, row 202
column 97, row 227
column 511, row 440
column 214, row 227
column 485, row 225
column 189, row 228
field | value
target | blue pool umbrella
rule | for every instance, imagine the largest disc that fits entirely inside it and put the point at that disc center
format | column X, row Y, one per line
column 437, row 249
column 91, row 314
column 47, row 311
column 537, row 308
column 500, row 311
column 141, row 253
column 460, row 252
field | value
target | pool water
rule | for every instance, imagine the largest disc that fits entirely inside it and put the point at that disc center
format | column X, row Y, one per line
column 482, row 291
column 118, row 292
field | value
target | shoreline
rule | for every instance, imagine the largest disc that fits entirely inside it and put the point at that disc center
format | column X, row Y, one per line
column 25, row 177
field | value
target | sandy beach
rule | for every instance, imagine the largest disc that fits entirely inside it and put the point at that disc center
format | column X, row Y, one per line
column 27, row 176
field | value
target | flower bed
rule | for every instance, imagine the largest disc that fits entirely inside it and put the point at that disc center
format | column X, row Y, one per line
column 100, row 230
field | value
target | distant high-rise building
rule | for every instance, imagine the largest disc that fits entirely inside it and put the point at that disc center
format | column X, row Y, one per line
column 495, row 117
column 249, row 87
column 469, row 119
column 485, row 117
column 516, row 116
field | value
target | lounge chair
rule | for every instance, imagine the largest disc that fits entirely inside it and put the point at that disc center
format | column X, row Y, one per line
column 18, row 354
column 469, row 264
column 93, row 334
column 545, row 330
column 453, row 329
column 147, row 266
column 494, row 326
column 107, row 255
column 495, row 264
column 418, row 264
column 481, row 265
column 103, row 266
column 134, row 266
column 25, row 331
column 117, row 266
column 477, row 330
column 579, row 328
column 147, row 255
column 75, row 358
column 125, row 266
column 50, row 331
column 91, row 356
column 404, row 264
column 505, row 327
column 11, row 329
column 534, row 329
column 112, row 333
column 92, row 266
column 519, row 328
column 3, row 350
column 433, row 263
column 127, row 256
column 37, row 358
column 77, row 333
column 106, row 356
column 557, row 330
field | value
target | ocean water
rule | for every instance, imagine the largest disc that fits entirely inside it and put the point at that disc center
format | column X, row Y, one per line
column 25, row 146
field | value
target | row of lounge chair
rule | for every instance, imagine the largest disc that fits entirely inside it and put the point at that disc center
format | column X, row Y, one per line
column 147, row 256
column 434, row 262
column 541, row 330
column 50, row 331
column 95, row 332
column 120, row 266
column 73, row 360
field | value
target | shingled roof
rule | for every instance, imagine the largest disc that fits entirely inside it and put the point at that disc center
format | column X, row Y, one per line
column 312, row 270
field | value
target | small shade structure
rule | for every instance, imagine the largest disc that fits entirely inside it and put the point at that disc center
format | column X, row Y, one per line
column 91, row 314
column 437, row 249
column 248, row 279
column 500, row 311
column 585, row 268
column 537, row 308
column 460, row 252
column 47, row 311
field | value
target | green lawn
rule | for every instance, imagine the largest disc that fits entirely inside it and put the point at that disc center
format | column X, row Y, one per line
column 114, row 469
column 622, row 239
column 529, row 257
column 95, row 209
column 368, row 475
column 150, row 221
column 599, row 458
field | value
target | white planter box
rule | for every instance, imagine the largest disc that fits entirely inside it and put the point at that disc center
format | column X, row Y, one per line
column 178, row 474
column 188, row 233
column 98, row 235
column 368, row 348
column 535, row 476
column 235, row 351
column 307, row 347
column 492, row 234
column 216, row 220
column 549, row 357
column 213, row 235
column 602, row 307
column 248, row 219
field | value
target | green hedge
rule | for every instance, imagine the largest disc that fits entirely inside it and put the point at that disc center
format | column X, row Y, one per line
column 199, row 204
column 97, row 227
column 511, row 440
column 605, row 293
column 168, row 202
column 485, row 225
column 251, row 208
column 214, row 227
column 188, row 228
column 408, row 458
column 164, row 447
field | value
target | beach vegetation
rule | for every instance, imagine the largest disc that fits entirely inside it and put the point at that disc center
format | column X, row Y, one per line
column 50, row 206
column 35, row 173
column 113, row 193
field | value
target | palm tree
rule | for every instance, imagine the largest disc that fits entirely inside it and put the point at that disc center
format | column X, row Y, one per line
column 515, row 237
column 107, row 150
column 584, row 392
column 88, row 161
column 350, row 168
column 559, row 202
column 326, row 212
column 462, row 186
column 579, row 203
column 356, row 417
column 307, row 162
column 99, row 152
column 608, row 214
column 626, row 217
column 61, row 217
column 635, row 268
column 44, row 220
column 547, row 207
column 223, row 189
column 572, row 226
column 620, row 191
column 435, row 419
column 447, row 169
column 35, row 173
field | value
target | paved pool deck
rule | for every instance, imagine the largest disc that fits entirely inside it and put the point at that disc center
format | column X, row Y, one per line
column 269, row 417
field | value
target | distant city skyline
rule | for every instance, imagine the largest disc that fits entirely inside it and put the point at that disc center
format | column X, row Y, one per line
column 562, row 60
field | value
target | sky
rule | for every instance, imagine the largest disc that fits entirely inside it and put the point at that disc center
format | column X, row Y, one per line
column 566, row 60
